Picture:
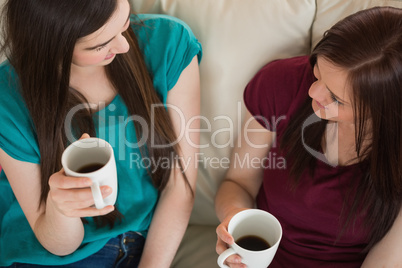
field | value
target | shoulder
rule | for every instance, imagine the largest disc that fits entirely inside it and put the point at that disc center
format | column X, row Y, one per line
column 6, row 75
column 162, row 31
column 168, row 46
column 17, row 133
column 282, row 73
column 279, row 86
column 9, row 88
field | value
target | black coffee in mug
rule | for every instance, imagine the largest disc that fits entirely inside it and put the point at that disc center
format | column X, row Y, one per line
column 90, row 168
column 252, row 242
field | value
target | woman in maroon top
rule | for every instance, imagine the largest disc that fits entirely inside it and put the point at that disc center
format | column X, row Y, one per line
column 321, row 149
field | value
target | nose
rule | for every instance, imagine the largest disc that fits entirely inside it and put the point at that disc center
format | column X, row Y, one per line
column 317, row 92
column 120, row 45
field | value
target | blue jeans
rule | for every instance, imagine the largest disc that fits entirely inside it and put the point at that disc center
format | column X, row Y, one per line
column 120, row 252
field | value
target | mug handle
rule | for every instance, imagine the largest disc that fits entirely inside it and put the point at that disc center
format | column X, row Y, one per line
column 96, row 193
column 224, row 255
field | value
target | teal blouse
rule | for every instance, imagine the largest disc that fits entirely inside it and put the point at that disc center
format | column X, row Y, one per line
column 168, row 46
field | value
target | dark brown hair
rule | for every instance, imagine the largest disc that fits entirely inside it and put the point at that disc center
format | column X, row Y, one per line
column 39, row 41
column 368, row 45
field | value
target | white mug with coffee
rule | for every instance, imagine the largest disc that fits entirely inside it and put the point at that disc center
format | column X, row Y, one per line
column 93, row 158
column 257, row 235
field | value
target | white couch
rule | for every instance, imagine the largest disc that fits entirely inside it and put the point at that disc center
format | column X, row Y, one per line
column 238, row 38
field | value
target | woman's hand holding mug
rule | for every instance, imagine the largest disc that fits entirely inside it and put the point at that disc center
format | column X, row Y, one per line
column 73, row 197
column 225, row 239
column 253, row 235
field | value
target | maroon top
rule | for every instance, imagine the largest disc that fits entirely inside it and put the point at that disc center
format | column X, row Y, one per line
column 309, row 215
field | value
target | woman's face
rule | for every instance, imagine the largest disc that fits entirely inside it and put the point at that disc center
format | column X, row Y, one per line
column 331, row 93
column 100, row 47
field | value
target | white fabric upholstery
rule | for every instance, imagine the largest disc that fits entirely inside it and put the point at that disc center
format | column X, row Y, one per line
column 330, row 11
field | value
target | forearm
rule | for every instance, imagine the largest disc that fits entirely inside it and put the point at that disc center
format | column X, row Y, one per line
column 59, row 234
column 176, row 201
column 167, row 228
column 231, row 197
column 241, row 186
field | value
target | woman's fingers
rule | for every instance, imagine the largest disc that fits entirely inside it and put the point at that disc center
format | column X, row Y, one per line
column 233, row 260
column 223, row 234
column 236, row 265
column 79, row 202
column 79, row 198
column 88, row 212
column 83, row 206
column 73, row 197
column 221, row 246
column 85, row 136
column 225, row 239
column 93, row 212
column 59, row 180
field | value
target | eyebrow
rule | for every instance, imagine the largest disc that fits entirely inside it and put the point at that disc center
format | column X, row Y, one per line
column 108, row 41
column 330, row 91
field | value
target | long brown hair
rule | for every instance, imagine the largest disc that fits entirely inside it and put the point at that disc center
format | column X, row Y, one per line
column 39, row 41
column 368, row 45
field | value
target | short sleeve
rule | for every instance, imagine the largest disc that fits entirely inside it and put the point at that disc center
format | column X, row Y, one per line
column 277, row 90
column 168, row 46
column 17, row 133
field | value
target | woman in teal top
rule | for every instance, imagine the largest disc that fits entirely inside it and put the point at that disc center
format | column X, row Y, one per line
column 78, row 67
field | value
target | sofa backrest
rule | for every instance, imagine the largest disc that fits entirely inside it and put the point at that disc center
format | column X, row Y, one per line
column 331, row 11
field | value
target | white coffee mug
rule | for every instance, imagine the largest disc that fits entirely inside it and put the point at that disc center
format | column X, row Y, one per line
column 256, row 223
column 93, row 158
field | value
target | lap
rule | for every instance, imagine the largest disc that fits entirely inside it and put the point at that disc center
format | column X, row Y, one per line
column 122, row 251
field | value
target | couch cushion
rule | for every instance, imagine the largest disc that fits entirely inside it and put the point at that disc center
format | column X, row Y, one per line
column 329, row 12
column 238, row 38
column 197, row 249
